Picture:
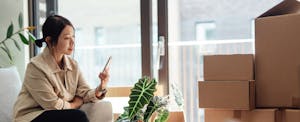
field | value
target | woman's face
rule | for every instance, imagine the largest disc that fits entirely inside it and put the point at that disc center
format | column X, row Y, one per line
column 65, row 43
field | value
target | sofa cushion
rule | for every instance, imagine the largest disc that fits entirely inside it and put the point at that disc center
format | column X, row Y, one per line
column 100, row 111
column 10, row 86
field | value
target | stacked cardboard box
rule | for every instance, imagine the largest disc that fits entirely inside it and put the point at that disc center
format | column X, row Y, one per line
column 228, row 82
column 257, row 115
column 228, row 90
column 277, row 47
column 277, row 73
column 277, row 60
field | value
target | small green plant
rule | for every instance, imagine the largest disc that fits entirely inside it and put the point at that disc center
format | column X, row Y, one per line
column 178, row 95
column 10, row 36
column 162, row 116
column 143, row 103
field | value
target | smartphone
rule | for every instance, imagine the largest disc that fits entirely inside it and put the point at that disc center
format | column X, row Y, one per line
column 107, row 63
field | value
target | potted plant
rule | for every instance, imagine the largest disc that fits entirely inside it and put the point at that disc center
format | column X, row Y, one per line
column 9, row 76
column 143, row 103
column 13, row 37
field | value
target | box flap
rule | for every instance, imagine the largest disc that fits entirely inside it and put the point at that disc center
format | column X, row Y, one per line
column 285, row 7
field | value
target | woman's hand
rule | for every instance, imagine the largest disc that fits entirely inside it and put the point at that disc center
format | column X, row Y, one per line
column 76, row 103
column 104, row 78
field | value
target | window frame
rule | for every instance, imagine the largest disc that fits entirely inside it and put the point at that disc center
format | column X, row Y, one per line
column 146, row 35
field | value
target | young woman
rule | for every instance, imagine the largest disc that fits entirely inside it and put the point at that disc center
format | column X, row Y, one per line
column 53, row 87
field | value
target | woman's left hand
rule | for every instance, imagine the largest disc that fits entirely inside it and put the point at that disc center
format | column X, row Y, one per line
column 104, row 78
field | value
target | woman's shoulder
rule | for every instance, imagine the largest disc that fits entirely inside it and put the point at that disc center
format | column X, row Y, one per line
column 38, row 64
column 37, row 61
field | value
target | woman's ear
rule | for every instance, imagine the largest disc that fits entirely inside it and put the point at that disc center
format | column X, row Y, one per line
column 48, row 40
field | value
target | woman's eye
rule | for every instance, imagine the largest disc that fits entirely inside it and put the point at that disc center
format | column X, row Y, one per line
column 69, row 37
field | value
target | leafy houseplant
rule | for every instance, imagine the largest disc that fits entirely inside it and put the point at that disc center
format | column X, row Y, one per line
column 143, row 103
column 10, row 38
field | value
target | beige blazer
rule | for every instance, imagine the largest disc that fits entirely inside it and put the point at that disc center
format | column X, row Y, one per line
column 47, row 87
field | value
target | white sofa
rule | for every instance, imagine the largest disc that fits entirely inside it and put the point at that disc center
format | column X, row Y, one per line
column 10, row 84
column 100, row 111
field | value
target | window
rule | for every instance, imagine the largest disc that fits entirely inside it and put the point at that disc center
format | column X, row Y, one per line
column 205, row 31
column 99, row 36
column 103, row 29
column 226, row 25
column 109, row 28
column 113, row 28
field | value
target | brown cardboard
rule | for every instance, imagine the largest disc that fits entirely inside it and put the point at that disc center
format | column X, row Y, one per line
column 238, row 95
column 256, row 115
column 277, row 59
column 290, row 115
column 228, row 67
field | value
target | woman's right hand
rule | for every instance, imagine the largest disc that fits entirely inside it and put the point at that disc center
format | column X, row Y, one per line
column 76, row 103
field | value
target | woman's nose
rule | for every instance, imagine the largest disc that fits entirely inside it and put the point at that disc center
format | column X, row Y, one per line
column 72, row 40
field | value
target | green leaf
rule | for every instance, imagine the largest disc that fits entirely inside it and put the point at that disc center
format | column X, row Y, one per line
column 156, row 104
column 5, row 48
column 10, row 30
column 31, row 37
column 151, row 108
column 141, row 94
column 20, row 20
column 163, row 116
column 123, row 117
column 16, row 44
column 23, row 38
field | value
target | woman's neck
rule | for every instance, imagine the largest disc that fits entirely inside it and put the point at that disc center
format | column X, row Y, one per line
column 58, row 58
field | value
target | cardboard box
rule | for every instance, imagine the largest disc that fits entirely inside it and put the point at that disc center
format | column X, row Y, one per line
column 237, row 95
column 290, row 115
column 228, row 67
column 277, row 58
column 256, row 115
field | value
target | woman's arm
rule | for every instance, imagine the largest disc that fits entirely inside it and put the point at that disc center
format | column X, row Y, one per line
column 101, row 89
column 42, row 91
column 84, row 91
column 76, row 103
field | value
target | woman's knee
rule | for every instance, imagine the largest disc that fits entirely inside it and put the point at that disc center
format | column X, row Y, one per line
column 79, row 115
column 69, row 115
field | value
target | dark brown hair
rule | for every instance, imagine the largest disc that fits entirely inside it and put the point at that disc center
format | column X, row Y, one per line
column 52, row 27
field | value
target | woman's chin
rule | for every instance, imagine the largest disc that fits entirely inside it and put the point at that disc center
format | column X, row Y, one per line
column 69, row 52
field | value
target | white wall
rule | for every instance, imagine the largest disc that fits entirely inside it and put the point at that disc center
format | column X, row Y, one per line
column 9, row 11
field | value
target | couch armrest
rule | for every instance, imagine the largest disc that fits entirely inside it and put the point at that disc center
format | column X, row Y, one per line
column 10, row 87
column 100, row 111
